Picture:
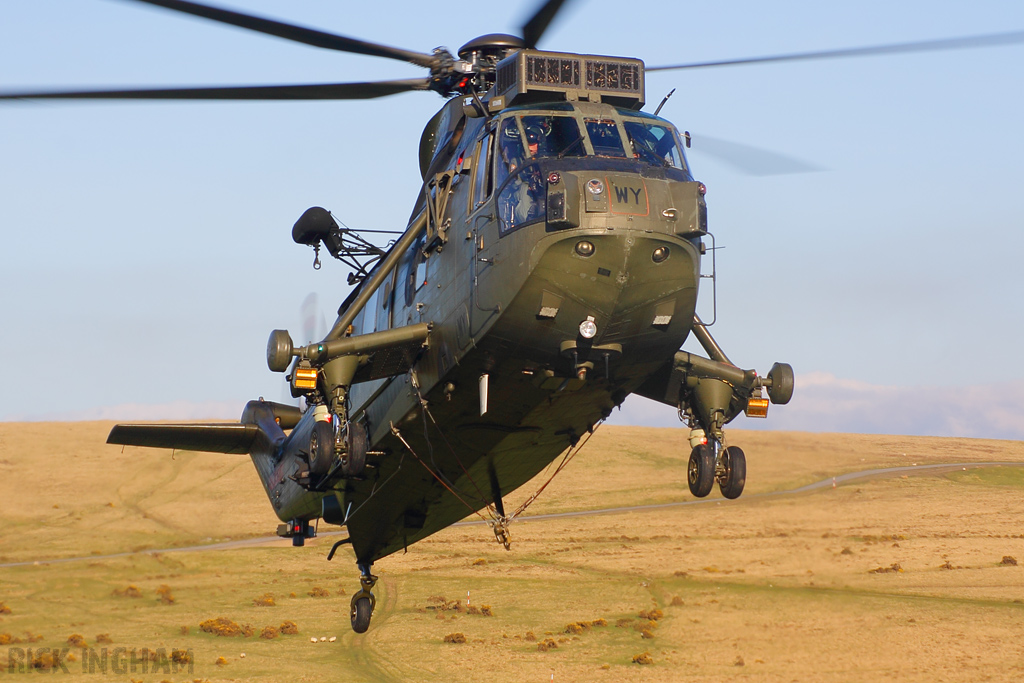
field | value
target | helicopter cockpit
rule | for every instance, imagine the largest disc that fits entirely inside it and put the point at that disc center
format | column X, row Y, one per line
column 535, row 140
column 641, row 136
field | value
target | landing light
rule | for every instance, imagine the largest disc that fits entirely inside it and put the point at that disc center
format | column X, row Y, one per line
column 585, row 248
column 595, row 186
column 588, row 328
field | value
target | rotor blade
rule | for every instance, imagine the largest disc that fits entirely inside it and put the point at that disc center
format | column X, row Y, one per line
column 295, row 33
column 749, row 159
column 316, row 91
column 991, row 40
column 534, row 28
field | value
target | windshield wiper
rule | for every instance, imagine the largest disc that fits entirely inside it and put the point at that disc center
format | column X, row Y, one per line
column 572, row 143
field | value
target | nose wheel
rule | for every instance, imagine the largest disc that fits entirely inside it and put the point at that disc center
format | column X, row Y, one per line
column 364, row 601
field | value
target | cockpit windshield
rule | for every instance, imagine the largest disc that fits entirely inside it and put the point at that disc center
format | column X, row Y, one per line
column 604, row 136
column 553, row 136
column 654, row 144
column 648, row 139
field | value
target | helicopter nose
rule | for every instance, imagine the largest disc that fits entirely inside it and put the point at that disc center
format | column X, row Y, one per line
column 592, row 287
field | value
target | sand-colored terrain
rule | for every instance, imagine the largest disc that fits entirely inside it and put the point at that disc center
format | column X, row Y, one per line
column 769, row 587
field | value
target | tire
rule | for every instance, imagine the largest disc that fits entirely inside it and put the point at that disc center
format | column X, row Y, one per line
column 735, row 476
column 356, row 442
column 321, row 449
column 700, row 471
column 362, row 610
column 781, row 390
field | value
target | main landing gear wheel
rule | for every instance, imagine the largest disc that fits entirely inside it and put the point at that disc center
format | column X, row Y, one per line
column 354, row 461
column 321, row 449
column 734, row 474
column 362, row 610
column 700, row 472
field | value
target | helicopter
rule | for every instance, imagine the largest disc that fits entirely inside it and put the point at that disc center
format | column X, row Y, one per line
column 549, row 269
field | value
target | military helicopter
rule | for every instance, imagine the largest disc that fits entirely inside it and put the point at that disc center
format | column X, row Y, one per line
column 549, row 269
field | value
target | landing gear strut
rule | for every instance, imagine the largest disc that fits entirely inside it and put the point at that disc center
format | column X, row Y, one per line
column 364, row 601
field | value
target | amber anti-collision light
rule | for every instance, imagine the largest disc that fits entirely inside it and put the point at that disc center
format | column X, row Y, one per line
column 756, row 407
column 305, row 378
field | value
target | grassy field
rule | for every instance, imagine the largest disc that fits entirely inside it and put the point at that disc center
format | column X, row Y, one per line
column 897, row 577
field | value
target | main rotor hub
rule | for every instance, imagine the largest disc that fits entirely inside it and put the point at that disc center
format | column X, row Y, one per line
column 493, row 47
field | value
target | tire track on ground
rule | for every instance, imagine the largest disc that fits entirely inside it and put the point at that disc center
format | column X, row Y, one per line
column 877, row 473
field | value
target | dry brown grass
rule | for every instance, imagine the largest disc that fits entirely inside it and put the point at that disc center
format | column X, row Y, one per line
column 104, row 639
column 455, row 638
column 77, row 640
column 782, row 595
column 269, row 633
column 318, row 592
column 131, row 591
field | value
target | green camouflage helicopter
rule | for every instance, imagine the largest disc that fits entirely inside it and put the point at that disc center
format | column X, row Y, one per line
column 550, row 269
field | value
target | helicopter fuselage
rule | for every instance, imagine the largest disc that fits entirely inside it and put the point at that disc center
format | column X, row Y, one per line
column 554, row 292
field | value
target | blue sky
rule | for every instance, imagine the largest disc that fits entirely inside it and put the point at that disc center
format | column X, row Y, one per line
column 147, row 252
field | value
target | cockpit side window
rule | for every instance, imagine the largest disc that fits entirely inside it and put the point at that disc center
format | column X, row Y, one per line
column 481, row 184
column 553, row 136
column 654, row 144
column 510, row 150
column 604, row 136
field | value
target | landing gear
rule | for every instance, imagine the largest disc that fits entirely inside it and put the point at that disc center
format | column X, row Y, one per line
column 700, row 472
column 321, row 449
column 353, row 460
column 362, row 610
column 364, row 601
column 731, row 472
